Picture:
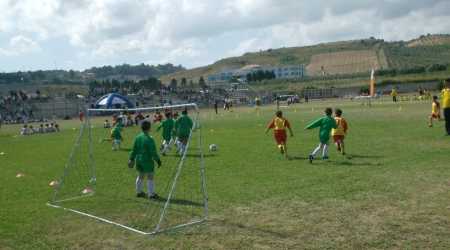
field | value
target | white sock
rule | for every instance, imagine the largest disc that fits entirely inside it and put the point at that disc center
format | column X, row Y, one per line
column 325, row 150
column 316, row 150
column 150, row 187
column 139, row 184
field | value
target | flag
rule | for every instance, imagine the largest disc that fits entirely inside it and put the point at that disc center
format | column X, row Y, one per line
column 372, row 83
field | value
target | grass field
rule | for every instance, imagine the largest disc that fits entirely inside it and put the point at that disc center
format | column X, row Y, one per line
column 392, row 192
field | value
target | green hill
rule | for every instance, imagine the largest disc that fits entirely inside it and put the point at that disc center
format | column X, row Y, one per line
column 338, row 58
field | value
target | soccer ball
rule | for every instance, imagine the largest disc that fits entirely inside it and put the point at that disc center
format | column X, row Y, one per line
column 213, row 147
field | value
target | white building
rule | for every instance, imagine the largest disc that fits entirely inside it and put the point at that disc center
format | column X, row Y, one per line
column 280, row 72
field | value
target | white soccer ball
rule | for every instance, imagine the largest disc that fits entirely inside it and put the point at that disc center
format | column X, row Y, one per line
column 213, row 147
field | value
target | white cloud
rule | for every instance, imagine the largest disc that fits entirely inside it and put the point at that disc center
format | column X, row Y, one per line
column 19, row 45
column 191, row 32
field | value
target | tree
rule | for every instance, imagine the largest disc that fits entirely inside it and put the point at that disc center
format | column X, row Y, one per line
column 173, row 84
column 202, row 83
column 183, row 82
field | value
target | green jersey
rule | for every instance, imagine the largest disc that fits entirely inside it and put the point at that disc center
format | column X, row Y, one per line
column 167, row 126
column 144, row 153
column 326, row 124
column 183, row 126
column 115, row 133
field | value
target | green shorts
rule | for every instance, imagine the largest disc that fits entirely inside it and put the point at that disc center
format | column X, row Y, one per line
column 145, row 168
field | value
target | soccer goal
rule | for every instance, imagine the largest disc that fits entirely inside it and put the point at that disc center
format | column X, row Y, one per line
column 97, row 183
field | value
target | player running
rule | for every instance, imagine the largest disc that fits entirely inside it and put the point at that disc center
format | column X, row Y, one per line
column 279, row 125
column 339, row 132
column 326, row 124
column 183, row 127
column 435, row 111
column 167, row 131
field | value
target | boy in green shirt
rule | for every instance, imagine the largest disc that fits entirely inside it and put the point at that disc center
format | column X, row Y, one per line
column 116, row 136
column 326, row 124
column 183, row 127
column 167, row 125
column 143, row 156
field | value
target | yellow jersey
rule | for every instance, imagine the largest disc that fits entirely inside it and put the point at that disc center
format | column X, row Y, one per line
column 394, row 92
column 435, row 108
column 341, row 126
column 445, row 98
column 279, row 124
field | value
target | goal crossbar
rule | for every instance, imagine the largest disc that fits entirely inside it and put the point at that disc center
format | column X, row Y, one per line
column 194, row 105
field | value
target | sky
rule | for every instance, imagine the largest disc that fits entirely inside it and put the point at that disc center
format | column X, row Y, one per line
column 79, row 34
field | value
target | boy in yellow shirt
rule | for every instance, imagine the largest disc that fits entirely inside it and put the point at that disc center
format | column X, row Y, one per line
column 340, row 131
column 435, row 111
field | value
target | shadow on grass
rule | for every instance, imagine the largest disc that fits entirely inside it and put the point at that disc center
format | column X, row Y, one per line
column 179, row 202
column 349, row 163
column 241, row 226
column 145, row 200
column 125, row 149
column 297, row 158
column 355, row 156
column 192, row 155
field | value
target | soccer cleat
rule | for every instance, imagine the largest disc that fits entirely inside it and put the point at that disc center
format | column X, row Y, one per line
column 141, row 195
column 325, row 158
column 154, row 196
column 311, row 158
column 281, row 147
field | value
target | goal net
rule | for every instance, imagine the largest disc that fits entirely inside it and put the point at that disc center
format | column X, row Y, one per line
column 97, row 183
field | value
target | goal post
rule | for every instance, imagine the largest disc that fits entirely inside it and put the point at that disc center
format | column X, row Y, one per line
column 83, row 188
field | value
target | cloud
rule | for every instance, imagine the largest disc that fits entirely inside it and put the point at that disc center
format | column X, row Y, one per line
column 193, row 32
column 19, row 45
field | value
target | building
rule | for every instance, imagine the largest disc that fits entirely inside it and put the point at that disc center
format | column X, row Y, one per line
column 280, row 72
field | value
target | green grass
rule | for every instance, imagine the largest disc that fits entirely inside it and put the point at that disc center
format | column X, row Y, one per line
column 392, row 193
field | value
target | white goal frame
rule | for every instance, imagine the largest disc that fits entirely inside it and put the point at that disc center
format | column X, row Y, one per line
column 87, row 125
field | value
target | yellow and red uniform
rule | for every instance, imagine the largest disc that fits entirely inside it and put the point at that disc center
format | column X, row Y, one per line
column 341, row 130
column 279, row 126
column 436, row 110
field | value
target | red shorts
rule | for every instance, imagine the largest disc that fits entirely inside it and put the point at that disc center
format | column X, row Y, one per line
column 435, row 116
column 338, row 138
column 280, row 136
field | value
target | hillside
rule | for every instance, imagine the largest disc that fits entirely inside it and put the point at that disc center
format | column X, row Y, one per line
column 346, row 57
column 119, row 72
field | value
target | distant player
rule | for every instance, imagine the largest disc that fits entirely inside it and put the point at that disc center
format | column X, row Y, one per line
column 167, row 126
column 279, row 126
column 435, row 111
column 257, row 104
column 106, row 124
column 394, row 94
column 116, row 136
column 326, row 124
column 81, row 116
column 183, row 127
column 216, row 106
column 143, row 156
column 339, row 132
column 157, row 117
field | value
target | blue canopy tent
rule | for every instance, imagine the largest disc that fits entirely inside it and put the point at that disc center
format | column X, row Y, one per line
column 113, row 100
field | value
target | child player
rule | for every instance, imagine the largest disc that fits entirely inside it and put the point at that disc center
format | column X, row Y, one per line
column 116, row 135
column 183, row 127
column 435, row 111
column 167, row 125
column 279, row 125
column 326, row 124
column 143, row 156
column 339, row 132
